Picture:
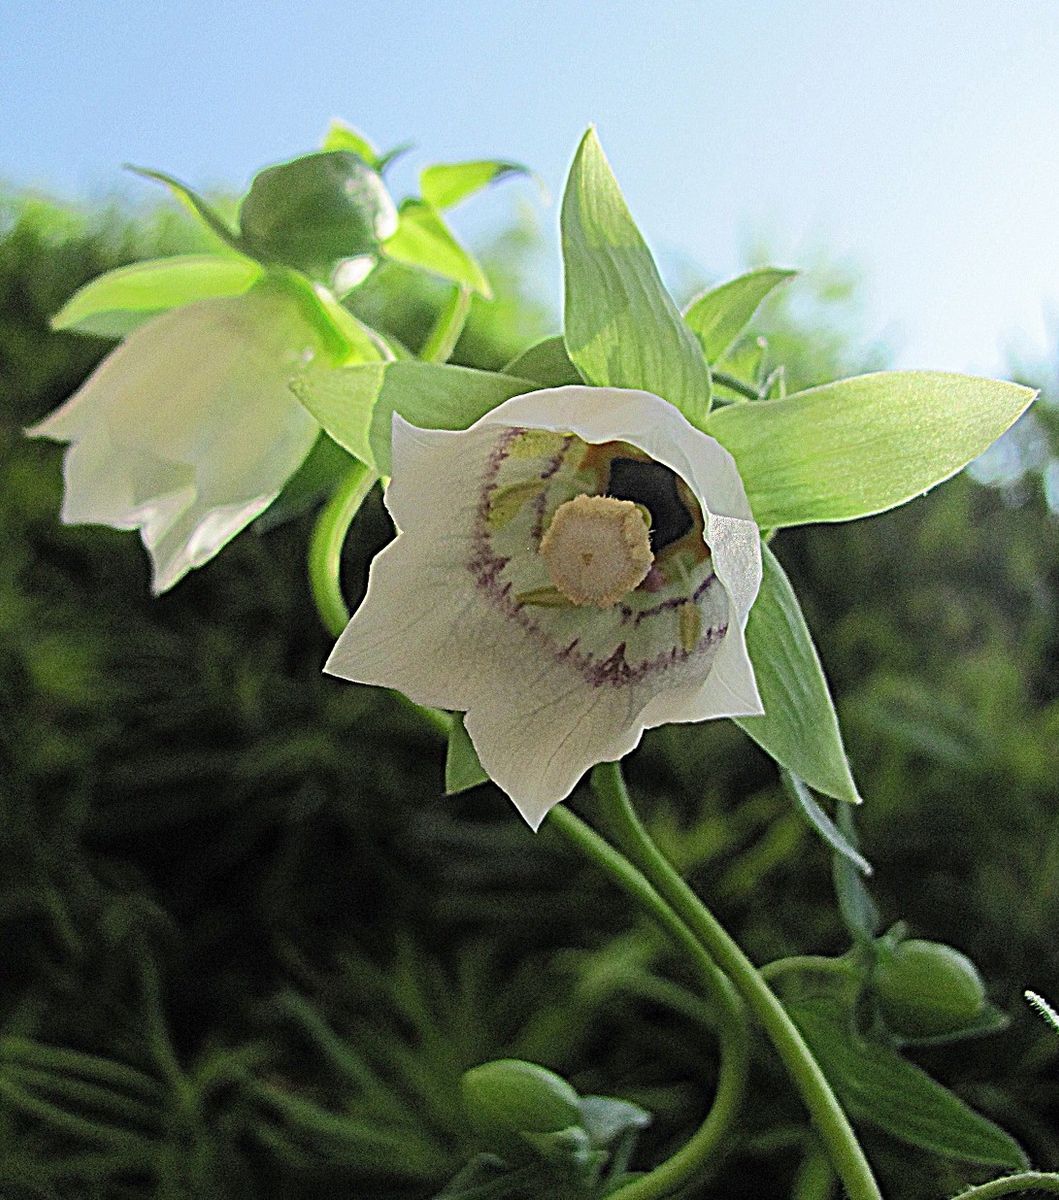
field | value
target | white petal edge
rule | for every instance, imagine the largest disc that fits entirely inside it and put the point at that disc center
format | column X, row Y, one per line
column 457, row 651
column 187, row 429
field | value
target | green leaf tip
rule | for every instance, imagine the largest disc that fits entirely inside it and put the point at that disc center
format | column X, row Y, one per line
column 621, row 326
column 720, row 315
column 863, row 445
column 192, row 200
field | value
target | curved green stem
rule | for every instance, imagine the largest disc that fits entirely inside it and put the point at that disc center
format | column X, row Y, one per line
column 442, row 339
column 834, row 1128
column 1025, row 1181
column 805, row 962
column 325, row 545
column 688, row 1162
column 734, row 385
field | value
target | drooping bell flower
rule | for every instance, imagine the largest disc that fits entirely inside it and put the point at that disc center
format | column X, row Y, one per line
column 573, row 569
column 188, row 430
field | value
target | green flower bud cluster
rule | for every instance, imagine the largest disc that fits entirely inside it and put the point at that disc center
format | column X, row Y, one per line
column 523, row 1114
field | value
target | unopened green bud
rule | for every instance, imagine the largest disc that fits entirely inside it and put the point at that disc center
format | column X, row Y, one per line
column 926, row 989
column 316, row 211
column 510, row 1097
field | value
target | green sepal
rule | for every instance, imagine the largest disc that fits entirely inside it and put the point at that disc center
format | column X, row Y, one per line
column 462, row 767
column 443, row 185
column 799, row 729
column 546, row 363
column 422, row 239
column 116, row 303
column 316, row 211
column 719, row 316
column 355, row 404
column 621, row 326
column 193, row 201
column 862, row 445
column 345, row 339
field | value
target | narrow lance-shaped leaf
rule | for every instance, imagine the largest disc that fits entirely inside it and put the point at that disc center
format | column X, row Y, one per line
column 621, row 326
column 546, row 363
column 822, row 823
column 445, row 184
column 862, row 445
column 719, row 316
column 192, row 200
column 876, row 1084
column 355, row 404
column 422, row 239
column 799, row 729
column 114, row 304
column 859, row 912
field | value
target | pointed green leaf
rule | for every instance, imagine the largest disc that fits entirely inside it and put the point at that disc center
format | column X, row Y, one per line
column 719, row 316
column 546, row 363
column 621, row 326
column 115, row 303
column 424, row 240
column 799, row 729
column 876, row 1084
column 341, row 136
column 355, row 404
column 822, row 823
column 347, row 340
column 446, row 184
column 862, row 445
column 192, row 200
column 462, row 768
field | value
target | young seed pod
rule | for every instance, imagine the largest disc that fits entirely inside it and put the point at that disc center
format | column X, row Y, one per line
column 926, row 989
column 316, row 211
column 507, row 1098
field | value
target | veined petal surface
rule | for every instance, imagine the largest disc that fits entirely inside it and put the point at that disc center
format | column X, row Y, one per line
column 188, row 430
column 461, row 611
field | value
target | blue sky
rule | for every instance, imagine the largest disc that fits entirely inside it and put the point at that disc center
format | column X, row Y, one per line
column 919, row 140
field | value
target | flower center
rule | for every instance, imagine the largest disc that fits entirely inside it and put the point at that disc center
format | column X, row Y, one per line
column 597, row 549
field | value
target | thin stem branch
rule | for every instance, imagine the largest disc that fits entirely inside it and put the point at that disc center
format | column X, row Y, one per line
column 834, row 1128
column 442, row 339
column 689, row 1161
column 734, row 384
column 1025, row 1181
column 325, row 545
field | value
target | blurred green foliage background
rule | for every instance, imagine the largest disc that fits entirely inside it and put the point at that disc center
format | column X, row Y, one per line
column 249, row 947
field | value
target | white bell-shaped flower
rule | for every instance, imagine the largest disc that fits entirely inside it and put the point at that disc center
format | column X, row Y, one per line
column 573, row 569
column 187, row 430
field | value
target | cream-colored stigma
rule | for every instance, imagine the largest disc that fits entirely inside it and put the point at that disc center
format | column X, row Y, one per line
column 597, row 549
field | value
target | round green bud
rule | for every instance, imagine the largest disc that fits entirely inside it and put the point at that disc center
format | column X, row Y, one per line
column 926, row 989
column 511, row 1097
column 313, row 212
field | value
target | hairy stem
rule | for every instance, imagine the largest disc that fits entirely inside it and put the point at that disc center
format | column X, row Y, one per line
column 836, row 1133
column 1009, row 1185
